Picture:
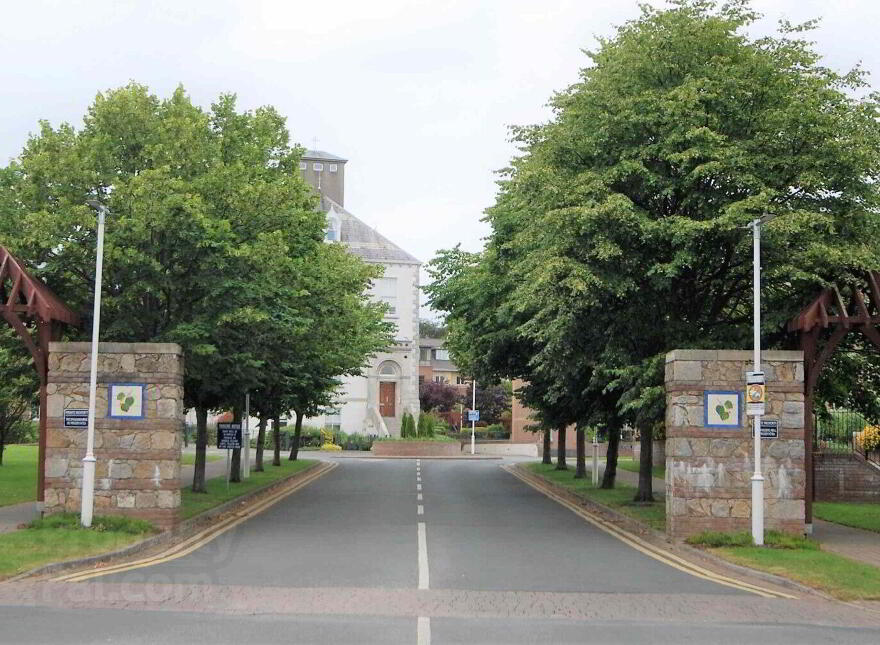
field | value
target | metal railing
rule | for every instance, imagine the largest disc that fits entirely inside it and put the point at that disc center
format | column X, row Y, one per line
column 839, row 431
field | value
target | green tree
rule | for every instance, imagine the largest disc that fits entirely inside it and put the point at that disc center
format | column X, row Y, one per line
column 18, row 388
column 621, row 224
column 199, row 198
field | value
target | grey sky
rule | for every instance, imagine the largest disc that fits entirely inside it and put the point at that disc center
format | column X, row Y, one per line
column 416, row 94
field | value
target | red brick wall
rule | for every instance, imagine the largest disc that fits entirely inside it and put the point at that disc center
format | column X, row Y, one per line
column 845, row 478
column 416, row 449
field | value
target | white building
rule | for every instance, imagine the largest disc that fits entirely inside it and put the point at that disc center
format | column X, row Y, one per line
column 373, row 403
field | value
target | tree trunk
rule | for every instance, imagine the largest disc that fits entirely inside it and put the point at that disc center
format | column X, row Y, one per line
column 276, row 430
column 2, row 444
column 235, row 466
column 198, row 485
column 646, row 462
column 581, row 470
column 611, row 458
column 261, row 439
column 294, row 442
column 560, row 449
column 547, row 451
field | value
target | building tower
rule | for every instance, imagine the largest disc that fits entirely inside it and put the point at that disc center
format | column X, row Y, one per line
column 326, row 173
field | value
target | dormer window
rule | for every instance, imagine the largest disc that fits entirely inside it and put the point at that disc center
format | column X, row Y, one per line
column 303, row 165
column 317, row 167
column 331, row 234
column 332, row 167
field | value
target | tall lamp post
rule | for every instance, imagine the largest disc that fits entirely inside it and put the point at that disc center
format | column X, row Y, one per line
column 88, row 482
column 473, row 418
column 757, row 476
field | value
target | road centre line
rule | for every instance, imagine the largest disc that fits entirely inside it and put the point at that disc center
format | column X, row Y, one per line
column 648, row 549
column 423, row 631
column 203, row 537
column 420, row 510
column 423, row 556
column 418, row 487
column 419, row 497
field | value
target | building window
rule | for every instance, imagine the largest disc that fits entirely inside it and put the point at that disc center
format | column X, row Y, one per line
column 442, row 355
column 388, row 368
column 332, row 167
column 303, row 165
column 331, row 234
column 424, row 353
column 421, row 378
column 460, row 380
column 318, row 166
column 440, row 379
column 385, row 290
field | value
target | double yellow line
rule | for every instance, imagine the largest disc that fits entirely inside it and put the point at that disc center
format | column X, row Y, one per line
column 201, row 538
column 645, row 547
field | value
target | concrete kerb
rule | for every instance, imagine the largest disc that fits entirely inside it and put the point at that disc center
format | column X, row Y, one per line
column 630, row 525
column 183, row 530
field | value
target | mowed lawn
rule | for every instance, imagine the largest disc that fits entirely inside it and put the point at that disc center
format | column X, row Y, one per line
column 620, row 498
column 189, row 458
column 860, row 515
column 18, row 475
column 218, row 492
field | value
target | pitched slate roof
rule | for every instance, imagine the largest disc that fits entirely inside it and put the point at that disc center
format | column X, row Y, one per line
column 322, row 156
column 362, row 240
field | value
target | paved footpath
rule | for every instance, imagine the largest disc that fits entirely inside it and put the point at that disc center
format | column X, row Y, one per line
column 417, row 551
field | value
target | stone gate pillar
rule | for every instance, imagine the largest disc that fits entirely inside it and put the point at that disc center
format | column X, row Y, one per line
column 137, row 436
column 709, row 447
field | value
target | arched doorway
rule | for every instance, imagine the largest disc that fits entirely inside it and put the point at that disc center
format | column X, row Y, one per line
column 389, row 378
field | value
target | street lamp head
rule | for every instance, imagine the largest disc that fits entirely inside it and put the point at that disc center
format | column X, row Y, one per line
column 98, row 206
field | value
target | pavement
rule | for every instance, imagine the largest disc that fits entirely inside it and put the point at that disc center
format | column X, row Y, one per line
column 853, row 543
column 417, row 551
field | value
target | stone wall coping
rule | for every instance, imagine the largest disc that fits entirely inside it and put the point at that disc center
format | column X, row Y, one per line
column 118, row 348
column 774, row 355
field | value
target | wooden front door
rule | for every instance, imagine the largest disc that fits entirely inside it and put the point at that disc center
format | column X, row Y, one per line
column 387, row 396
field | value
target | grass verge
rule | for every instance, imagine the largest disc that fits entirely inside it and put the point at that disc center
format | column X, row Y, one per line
column 627, row 463
column 18, row 475
column 860, row 515
column 60, row 537
column 194, row 503
column 619, row 498
column 189, row 458
column 799, row 559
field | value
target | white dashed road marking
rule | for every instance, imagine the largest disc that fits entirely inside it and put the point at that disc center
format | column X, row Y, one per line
column 423, row 631
column 423, row 557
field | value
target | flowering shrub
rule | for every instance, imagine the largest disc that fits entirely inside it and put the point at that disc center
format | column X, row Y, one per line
column 868, row 439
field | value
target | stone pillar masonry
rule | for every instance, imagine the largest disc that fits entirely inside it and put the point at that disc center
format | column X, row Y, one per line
column 709, row 461
column 137, row 444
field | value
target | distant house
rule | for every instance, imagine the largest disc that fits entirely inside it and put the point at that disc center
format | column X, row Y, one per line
column 435, row 364
column 374, row 403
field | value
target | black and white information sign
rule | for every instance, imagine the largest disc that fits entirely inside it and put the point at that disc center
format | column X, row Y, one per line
column 76, row 418
column 769, row 429
column 229, row 436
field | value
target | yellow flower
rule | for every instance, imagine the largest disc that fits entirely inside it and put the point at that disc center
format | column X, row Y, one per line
column 868, row 439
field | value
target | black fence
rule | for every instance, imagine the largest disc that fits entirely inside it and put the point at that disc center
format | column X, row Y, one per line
column 839, row 431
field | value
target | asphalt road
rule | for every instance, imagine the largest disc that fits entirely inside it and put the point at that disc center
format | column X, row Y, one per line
column 400, row 551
